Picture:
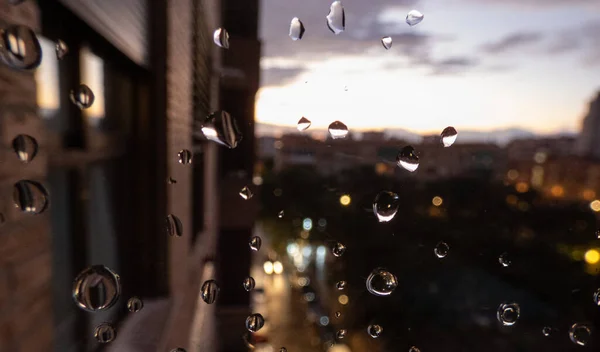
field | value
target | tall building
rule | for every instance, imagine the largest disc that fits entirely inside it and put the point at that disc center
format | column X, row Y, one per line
column 587, row 144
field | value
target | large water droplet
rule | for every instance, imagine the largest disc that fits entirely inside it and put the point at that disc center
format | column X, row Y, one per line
column 209, row 291
column 220, row 127
column 385, row 206
column 504, row 259
column 508, row 313
column 449, row 136
column 246, row 193
column 341, row 333
column 255, row 243
column 25, row 147
column 338, row 130
column 336, row 19
column 414, row 17
column 374, row 330
column 441, row 249
column 255, row 322
column 338, row 249
column 414, row 349
column 249, row 283
column 174, row 226
column 381, row 282
column 20, row 48
column 340, row 285
column 61, row 49
column 221, row 38
column 30, row 196
column 96, row 288
column 82, row 97
column 408, row 158
column 105, row 333
column 547, row 331
column 597, row 297
column 184, row 156
column 135, row 304
column 296, row 29
column 580, row 334
column 338, row 314
column 171, row 181
column 386, row 42
column 303, row 124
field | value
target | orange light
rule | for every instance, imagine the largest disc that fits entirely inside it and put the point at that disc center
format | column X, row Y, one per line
column 522, row 187
column 437, row 201
column 381, row 168
column 589, row 194
column 511, row 199
column 595, row 205
column 345, row 200
column 557, row 191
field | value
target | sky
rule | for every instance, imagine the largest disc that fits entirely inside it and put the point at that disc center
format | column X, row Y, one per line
column 472, row 64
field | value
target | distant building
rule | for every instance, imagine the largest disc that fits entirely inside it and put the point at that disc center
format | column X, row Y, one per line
column 540, row 148
column 587, row 143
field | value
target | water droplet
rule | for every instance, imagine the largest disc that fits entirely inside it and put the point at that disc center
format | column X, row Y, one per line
column 20, row 48
column 246, row 193
column 255, row 322
column 504, row 259
column 338, row 249
column 25, row 147
column 283, row 349
column 221, row 38
column 338, row 314
column 220, row 127
column 385, row 206
column 82, row 97
column 61, row 49
column 184, row 156
column 374, row 330
column 96, row 288
column 303, row 124
column 408, row 158
column 386, row 42
column 135, row 304
column 597, row 297
column 280, row 214
column 508, row 313
column 414, row 349
column 30, row 196
column 255, row 243
column 441, row 249
column 209, row 291
column 174, row 226
column 337, row 130
column 449, row 135
column 178, row 349
column 105, row 333
column 381, row 282
column 598, row 234
column 336, row 19
column 2, row 219
column 171, row 181
column 249, row 283
column 341, row 333
column 414, row 17
column 547, row 331
column 296, row 29
column 580, row 334
column 340, row 285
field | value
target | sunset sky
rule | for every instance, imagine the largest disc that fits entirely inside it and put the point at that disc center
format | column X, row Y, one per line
column 472, row 64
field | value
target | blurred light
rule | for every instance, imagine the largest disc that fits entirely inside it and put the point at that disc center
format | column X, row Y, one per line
column 557, row 191
column 595, row 205
column 512, row 174
column 345, row 200
column 277, row 267
column 522, row 187
column 268, row 266
column 592, row 256
column 540, row 157
column 303, row 281
column 324, row 321
column 304, row 234
column 511, row 199
column 343, row 299
column 523, row 206
column 292, row 248
column 437, row 201
column 322, row 222
column 307, row 224
column 277, row 192
column 321, row 250
column 307, row 251
column 309, row 296
column 337, row 347
column 589, row 194
column 257, row 180
column 278, row 144
column 537, row 176
column 381, row 168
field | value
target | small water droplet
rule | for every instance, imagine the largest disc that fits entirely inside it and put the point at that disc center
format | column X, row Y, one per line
column 25, row 147
column 255, row 243
column 135, row 304
column 171, row 181
column 381, row 282
column 283, row 349
column 441, row 249
column 246, row 193
column 96, row 288
column 61, row 49
column 508, row 313
column 220, row 127
column 280, row 214
column 408, row 159
column 340, row 285
column 414, row 349
column 374, row 330
column 504, row 259
column 580, row 334
column 338, row 314
column 303, row 124
column 338, row 249
column 20, row 48
column 296, row 29
column 30, row 197
column 386, row 42
column 82, row 97
column 184, row 157
column 345, row 88
column 336, row 19
column 449, row 136
column 174, row 226
column 209, row 291
column 105, row 333
column 385, row 206
column 414, row 17
column 255, row 322
column 597, row 297
column 337, row 130
column 221, row 38
column 341, row 333
column 178, row 349
column 547, row 331
column 249, row 283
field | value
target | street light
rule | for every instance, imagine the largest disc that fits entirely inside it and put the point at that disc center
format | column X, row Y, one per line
column 278, row 267
column 268, row 266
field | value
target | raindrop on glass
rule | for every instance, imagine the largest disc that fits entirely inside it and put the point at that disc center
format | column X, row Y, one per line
column 171, row 181
column 336, row 19
column 385, row 206
column 441, row 249
column 341, row 334
column 296, row 29
column 338, row 130
column 338, row 249
column 283, row 349
column 135, row 304
column 280, row 214
column 408, row 159
column 25, row 147
column 105, row 333
column 178, row 349
column 374, row 330
column 96, row 288
column 338, row 314
column 61, row 49
column 174, row 226
column 303, row 124
column 20, row 48
column 340, row 285
column 255, row 322
column 220, row 127
column 449, row 135
column 580, row 334
column 504, row 259
column 547, row 331
column 414, row 349
column 209, row 291
column 246, row 193
column 597, row 297
column 184, row 156
column 414, row 17
column 381, row 282
column 82, row 97
column 30, row 196
column 508, row 313
column 255, row 243
column 221, row 38
column 386, row 42
column 249, row 283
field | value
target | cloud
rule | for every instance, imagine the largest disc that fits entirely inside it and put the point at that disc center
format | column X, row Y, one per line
column 277, row 76
column 512, row 42
column 538, row 3
column 583, row 41
column 453, row 65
